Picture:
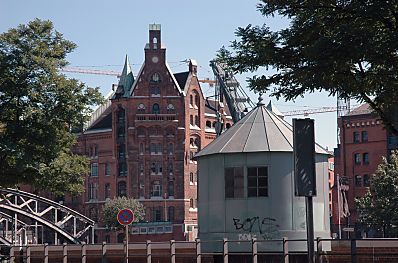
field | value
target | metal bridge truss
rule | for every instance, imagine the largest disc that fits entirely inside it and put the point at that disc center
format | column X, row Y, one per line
column 23, row 215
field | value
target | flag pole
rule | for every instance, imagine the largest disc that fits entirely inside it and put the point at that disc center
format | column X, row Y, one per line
column 338, row 204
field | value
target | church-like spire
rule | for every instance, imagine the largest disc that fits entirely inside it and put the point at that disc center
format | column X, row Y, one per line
column 126, row 80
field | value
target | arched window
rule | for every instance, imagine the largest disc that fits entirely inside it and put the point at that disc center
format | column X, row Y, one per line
column 170, row 168
column 155, row 109
column 197, row 101
column 141, row 108
column 170, row 108
column 191, row 99
column 197, row 142
column 121, row 189
column 155, row 78
column 191, row 203
column 191, row 120
column 208, row 124
column 155, row 43
column 141, row 148
column 170, row 188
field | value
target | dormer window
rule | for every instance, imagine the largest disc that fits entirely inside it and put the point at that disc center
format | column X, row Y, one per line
column 170, row 108
column 141, row 108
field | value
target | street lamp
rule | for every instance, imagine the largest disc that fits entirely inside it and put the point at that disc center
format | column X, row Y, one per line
column 165, row 206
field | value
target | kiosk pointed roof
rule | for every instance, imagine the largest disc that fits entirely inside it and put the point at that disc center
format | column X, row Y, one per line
column 259, row 131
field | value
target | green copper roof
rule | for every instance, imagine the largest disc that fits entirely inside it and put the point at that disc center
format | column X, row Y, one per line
column 126, row 80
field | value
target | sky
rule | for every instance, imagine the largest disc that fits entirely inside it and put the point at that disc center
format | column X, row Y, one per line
column 105, row 31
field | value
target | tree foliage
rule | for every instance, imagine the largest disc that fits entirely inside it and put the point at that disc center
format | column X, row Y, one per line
column 346, row 48
column 39, row 106
column 378, row 209
column 113, row 206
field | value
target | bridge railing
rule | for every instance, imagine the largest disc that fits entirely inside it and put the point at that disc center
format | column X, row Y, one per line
column 364, row 250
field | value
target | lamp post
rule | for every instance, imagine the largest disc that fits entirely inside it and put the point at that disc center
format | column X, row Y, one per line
column 165, row 206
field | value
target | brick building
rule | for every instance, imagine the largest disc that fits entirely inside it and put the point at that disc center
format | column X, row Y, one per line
column 363, row 142
column 331, row 178
column 141, row 143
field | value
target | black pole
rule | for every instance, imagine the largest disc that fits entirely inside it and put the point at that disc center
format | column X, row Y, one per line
column 310, row 228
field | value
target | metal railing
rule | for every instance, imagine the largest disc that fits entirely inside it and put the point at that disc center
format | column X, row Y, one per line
column 282, row 250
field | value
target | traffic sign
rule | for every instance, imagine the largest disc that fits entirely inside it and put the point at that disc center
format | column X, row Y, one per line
column 125, row 217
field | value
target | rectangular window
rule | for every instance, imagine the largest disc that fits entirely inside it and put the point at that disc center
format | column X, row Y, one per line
column 356, row 137
column 156, row 189
column 257, row 181
column 366, row 180
column 107, row 169
column 357, row 158
column 155, row 148
column 364, row 136
column 358, row 180
column 94, row 169
column 122, row 169
column 93, row 191
column 122, row 151
column 107, row 190
column 234, row 182
column 157, row 214
column 365, row 158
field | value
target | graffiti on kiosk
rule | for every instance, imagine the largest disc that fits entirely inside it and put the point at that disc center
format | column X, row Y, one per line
column 254, row 227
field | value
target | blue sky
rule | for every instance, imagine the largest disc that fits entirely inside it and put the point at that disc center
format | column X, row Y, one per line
column 105, row 31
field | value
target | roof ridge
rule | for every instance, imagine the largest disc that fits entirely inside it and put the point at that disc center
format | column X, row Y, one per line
column 271, row 115
column 251, row 129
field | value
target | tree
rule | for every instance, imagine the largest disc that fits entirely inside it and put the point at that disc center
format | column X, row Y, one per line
column 39, row 106
column 378, row 209
column 346, row 48
column 113, row 206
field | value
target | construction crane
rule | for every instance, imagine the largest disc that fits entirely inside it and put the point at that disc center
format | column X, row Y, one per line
column 114, row 73
column 307, row 112
column 229, row 88
column 226, row 84
column 90, row 71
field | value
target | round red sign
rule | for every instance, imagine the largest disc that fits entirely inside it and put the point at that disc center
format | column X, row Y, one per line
column 125, row 217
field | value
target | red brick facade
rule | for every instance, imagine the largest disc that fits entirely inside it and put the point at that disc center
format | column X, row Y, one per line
column 142, row 147
column 363, row 143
